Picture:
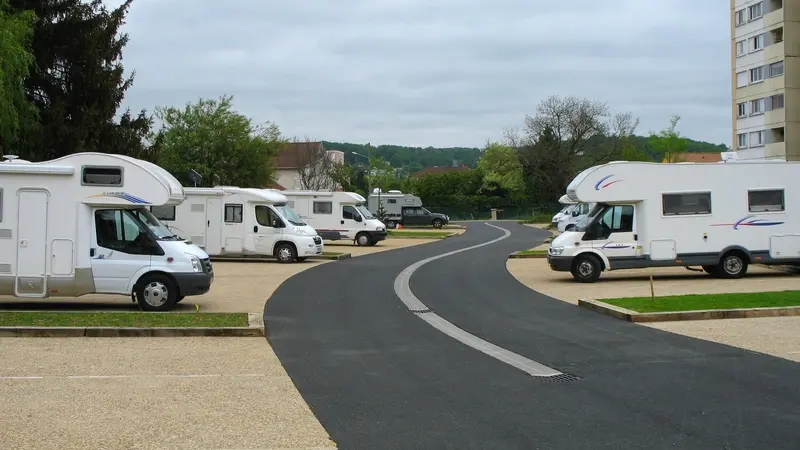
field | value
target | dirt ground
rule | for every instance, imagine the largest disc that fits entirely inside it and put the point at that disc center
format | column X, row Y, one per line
column 122, row 393
column 778, row 336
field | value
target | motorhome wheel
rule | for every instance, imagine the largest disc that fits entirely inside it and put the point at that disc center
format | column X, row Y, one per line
column 363, row 240
column 437, row 223
column 586, row 268
column 156, row 293
column 733, row 265
column 285, row 253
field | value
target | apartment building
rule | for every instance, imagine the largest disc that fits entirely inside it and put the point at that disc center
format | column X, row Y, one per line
column 766, row 78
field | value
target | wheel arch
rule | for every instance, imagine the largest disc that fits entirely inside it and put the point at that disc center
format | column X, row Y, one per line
column 145, row 271
column 604, row 262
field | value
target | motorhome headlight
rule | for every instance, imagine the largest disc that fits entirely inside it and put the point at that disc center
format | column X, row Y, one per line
column 197, row 266
column 380, row 229
column 556, row 250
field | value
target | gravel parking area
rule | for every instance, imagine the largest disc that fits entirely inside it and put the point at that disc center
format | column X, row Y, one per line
column 779, row 336
column 150, row 393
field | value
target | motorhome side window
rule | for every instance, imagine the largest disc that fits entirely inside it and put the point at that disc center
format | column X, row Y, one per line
column 323, row 208
column 349, row 212
column 771, row 200
column 1, row 204
column 163, row 212
column 392, row 200
column 265, row 216
column 117, row 230
column 101, row 176
column 686, row 204
column 233, row 213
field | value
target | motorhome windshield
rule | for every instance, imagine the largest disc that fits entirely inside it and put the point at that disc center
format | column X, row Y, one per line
column 588, row 219
column 365, row 212
column 159, row 229
column 289, row 214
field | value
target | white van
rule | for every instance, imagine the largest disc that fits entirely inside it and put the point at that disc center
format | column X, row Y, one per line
column 337, row 215
column 720, row 216
column 564, row 200
column 80, row 225
column 232, row 221
column 572, row 215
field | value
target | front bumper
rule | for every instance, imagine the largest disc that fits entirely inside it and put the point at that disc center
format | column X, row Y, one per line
column 377, row 235
column 313, row 247
column 195, row 283
column 560, row 263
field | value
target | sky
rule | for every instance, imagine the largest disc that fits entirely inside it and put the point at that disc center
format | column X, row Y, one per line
column 439, row 73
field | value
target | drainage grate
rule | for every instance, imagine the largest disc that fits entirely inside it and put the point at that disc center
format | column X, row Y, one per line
column 420, row 311
column 560, row 378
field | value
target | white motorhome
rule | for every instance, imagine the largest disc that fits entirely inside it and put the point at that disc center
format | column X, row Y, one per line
column 721, row 216
column 234, row 221
column 80, row 225
column 337, row 215
column 564, row 200
column 567, row 219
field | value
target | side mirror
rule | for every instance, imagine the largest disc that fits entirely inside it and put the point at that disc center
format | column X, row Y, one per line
column 357, row 218
column 277, row 223
column 576, row 213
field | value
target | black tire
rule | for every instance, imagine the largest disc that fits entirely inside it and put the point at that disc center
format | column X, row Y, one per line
column 363, row 240
column 180, row 297
column 156, row 292
column 302, row 258
column 586, row 268
column 285, row 253
column 437, row 223
column 732, row 265
column 391, row 224
column 711, row 270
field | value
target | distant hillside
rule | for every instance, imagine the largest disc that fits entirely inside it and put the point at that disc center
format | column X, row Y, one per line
column 414, row 159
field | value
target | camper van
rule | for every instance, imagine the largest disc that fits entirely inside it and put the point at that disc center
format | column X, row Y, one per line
column 80, row 225
column 718, row 216
column 337, row 215
column 232, row 221
column 564, row 200
column 572, row 215
column 404, row 209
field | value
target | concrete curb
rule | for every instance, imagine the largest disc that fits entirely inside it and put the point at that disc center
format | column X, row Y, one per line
column 706, row 314
column 421, row 237
column 255, row 329
column 517, row 255
column 254, row 259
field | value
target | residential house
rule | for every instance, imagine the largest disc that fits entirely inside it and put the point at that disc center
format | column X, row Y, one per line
column 295, row 157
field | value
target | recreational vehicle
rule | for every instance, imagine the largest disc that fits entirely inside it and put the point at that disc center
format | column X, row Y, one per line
column 567, row 219
column 232, row 221
column 720, row 216
column 404, row 209
column 564, row 200
column 337, row 215
column 80, row 225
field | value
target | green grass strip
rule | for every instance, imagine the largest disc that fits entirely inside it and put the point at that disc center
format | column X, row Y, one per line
column 121, row 319
column 707, row 301
column 532, row 252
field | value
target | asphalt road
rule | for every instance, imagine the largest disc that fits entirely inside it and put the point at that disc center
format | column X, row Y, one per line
column 377, row 376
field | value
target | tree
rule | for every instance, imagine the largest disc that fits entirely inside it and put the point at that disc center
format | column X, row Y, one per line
column 79, row 82
column 16, row 33
column 502, row 171
column 223, row 146
column 668, row 144
column 315, row 166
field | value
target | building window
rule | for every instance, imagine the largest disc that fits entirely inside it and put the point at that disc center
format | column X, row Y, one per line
column 101, row 176
column 757, row 74
column 164, row 212
column 776, row 69
column 766, row 200
column 741, row 109
column 741, row 79
column 756, row 43
column 392, row 200
column 740, row 48
column 755, row 11
column 740, row 17
column 776, row 36
column 686, row 204
column 323, row 208
column 233, row 213
column 777, row 101
column 757, row 107
column 758, row 138
column 741, row 140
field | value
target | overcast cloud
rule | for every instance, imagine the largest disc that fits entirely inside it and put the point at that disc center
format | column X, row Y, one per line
column 433, row 72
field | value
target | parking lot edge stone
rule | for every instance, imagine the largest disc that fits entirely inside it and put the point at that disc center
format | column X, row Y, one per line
column 251, row 331
column 673, row 316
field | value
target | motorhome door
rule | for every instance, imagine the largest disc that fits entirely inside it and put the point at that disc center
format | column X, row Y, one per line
column 213, row 238
column 617, row 233
column 265, row 232
column 32, row 254
column 121, row 246
column 351, row 221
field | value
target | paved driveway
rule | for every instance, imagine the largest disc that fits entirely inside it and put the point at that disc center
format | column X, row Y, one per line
column 377, row 376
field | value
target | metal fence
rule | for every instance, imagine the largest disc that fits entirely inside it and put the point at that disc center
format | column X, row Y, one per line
column 530, row 212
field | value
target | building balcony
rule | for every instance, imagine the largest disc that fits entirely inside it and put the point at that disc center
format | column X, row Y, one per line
column 775, row 116
column 773, row 18
column 775, row 150
column 776, row 50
